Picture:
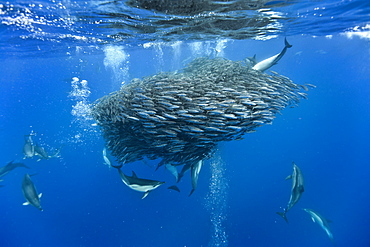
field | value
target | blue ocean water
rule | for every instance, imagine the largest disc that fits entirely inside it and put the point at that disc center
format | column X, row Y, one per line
column 239, row 190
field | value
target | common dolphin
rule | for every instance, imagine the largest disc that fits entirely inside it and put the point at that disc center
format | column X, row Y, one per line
column 297, row 190
column 41, row 152
column 106, row 158
column 195, row 170
column 269, row 62
column 138, row 184
column 28, row 147
column 324, row 223
column 183, row 170
column 30, row 193
column 43, row 155
column 10, row 166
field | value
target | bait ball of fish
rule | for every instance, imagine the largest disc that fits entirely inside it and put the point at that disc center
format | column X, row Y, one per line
column 181, row 116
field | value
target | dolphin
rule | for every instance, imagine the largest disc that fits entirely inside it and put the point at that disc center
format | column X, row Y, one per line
column 41, row 152
column 106, row 158
column 30, row 193
column 28, row 147
column 324, row 223
column 10, row 166
column 195, row 170
column 183, row 170
column 297, row 190
column 269, row 62
column 138, row 184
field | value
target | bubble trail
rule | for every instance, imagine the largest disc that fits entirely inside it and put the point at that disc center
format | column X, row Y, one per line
column 216, row 202
column 81, row 110
column 117, row 60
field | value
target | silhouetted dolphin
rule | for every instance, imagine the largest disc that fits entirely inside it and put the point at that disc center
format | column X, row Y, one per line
column 195, row 170
column 324, row 223
column 10, row 166
column 138, row 184
column 30, row 193
column 269, row 62
column 297, row 190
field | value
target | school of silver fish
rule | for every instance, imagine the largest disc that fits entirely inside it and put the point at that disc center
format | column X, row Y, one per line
column 180, row 117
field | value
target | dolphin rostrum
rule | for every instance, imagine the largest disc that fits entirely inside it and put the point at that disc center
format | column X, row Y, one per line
column 195, row 170
column 297, row 190
column 10, row 166
column 324, row 223
column 138, row 184
column 269, row 62
column 30, row 193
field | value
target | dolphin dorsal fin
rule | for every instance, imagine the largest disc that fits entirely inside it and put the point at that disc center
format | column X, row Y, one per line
column 134, row 175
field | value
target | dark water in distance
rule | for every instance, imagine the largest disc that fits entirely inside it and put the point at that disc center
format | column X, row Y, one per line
column 45, row 44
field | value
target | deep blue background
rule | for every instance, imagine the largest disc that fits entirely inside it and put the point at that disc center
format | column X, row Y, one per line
column 86, row 204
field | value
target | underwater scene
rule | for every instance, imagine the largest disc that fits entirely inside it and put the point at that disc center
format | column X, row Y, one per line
column 184, row 123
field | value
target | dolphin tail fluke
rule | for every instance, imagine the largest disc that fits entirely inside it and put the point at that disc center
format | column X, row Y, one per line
column 23, row 165
column 252, row 60
column 191, row 192
column 287, row 45
column 174, row 187
column 117, row 167
column 283, row 214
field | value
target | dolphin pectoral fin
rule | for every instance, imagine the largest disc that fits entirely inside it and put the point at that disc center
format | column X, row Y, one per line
column 313, row 219
column 40, row 195
column 25, row 203
column 283, row 214
column 145, row 194
column 289, row 177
